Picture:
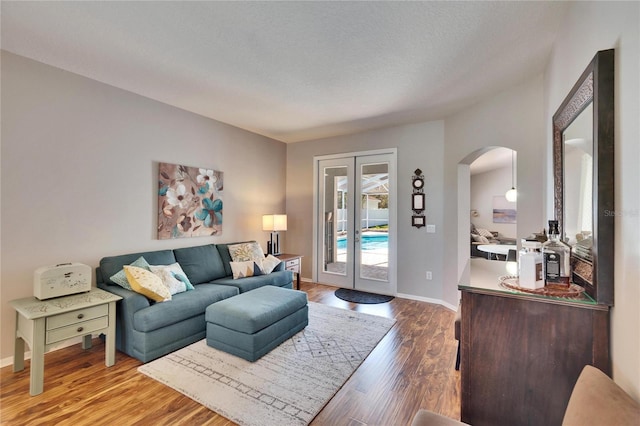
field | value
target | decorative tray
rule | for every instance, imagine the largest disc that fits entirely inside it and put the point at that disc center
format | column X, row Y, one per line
column 573, row 291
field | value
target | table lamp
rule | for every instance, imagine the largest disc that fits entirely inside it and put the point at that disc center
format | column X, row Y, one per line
column 274, row 223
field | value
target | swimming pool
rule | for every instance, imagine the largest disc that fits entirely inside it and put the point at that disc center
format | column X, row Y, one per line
column 369, row 241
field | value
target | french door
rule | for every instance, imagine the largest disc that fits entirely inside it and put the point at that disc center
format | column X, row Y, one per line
column 355, row 222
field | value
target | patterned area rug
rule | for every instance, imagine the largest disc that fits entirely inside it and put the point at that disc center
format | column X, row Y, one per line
column 289, row 385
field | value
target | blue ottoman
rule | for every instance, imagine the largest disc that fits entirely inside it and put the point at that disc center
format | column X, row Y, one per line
column 251, row 324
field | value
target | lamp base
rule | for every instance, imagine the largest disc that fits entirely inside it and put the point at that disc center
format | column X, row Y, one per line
column 273, row 247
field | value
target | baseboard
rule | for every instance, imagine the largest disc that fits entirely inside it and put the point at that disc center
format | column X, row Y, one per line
column 27, row 355
column 404, row 296
column 428, row 300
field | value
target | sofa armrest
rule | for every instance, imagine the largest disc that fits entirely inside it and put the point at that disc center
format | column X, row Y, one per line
column 597, row 400
column 131, row 303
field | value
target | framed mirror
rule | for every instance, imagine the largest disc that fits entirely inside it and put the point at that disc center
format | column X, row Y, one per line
column 583, row 147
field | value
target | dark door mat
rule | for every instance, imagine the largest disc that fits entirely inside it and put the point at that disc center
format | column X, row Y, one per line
column 356, row 296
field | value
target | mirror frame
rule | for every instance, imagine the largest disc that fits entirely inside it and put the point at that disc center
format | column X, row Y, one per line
column 596, row 84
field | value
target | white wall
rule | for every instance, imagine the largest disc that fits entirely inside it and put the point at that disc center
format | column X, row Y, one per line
column 587, row 28
column 418, row 146
column 485, row 186
column 79, row 174
column 511, row 119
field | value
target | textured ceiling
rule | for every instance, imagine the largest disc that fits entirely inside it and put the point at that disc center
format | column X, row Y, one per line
column 294, row 71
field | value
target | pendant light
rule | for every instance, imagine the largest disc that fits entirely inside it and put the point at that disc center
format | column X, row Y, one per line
column 512, row 195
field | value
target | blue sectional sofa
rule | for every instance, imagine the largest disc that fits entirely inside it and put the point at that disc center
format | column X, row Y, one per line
column 146, row 330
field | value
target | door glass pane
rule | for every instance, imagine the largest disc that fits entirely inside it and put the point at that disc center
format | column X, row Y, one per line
column 335, row 239
column 373, row 233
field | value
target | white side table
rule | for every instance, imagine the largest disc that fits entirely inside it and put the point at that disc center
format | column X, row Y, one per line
column 43, row 323
column 292, row 262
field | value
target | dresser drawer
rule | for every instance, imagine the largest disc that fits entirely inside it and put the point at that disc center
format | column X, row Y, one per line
column 78, row 316
column 79, row 329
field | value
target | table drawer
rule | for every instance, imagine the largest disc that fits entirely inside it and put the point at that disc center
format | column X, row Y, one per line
column 290, row 264
column 79, row 329
column 78, row 316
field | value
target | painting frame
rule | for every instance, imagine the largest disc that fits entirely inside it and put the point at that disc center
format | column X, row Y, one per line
column 417, row 202
column 418, row 220
column 189, row 201
column 504, row 211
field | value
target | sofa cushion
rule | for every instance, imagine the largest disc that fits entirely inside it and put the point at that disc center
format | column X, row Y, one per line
column 202, row 264
column 111, row 265
column 183, row 306
column 278, row 279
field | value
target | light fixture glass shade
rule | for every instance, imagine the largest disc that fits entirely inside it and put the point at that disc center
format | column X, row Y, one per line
column 511, row 195
column 274, row 222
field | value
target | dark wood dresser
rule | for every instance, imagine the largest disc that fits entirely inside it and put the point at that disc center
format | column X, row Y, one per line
column 522, row 354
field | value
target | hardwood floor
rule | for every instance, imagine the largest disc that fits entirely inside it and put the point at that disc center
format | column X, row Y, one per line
column 411, row 368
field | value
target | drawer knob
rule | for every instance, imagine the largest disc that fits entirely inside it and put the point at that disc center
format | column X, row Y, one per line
column 80, row 316
column 80, row 329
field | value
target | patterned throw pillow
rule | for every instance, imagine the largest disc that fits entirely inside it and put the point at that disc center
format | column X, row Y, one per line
column 270, row 263
column 484, row 232
column 245, row 269
column 121, row 278
column 147, row 283
column 244, row 252
column 173, row 277
column 480, row 239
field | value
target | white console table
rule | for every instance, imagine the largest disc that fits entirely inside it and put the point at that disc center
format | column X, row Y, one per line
column 44, row 323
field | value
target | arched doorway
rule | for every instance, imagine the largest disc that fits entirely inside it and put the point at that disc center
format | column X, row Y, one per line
column 487, row 221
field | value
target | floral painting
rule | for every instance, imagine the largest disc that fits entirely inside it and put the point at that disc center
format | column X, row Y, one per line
column 189, row 201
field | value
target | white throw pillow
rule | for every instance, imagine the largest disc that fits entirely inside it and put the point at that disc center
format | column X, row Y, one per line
column 270, row 263
column 484, row 232
column 245, row 269
column 173, row 277
column 480, row 239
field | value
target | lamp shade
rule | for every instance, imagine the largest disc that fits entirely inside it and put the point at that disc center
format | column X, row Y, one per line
column 274, row 222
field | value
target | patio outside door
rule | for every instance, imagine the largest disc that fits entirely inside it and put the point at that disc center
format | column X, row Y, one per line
column 356, row 222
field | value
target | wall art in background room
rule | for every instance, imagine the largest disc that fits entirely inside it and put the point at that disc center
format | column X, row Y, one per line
column 189, row 201
column 503, row 211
